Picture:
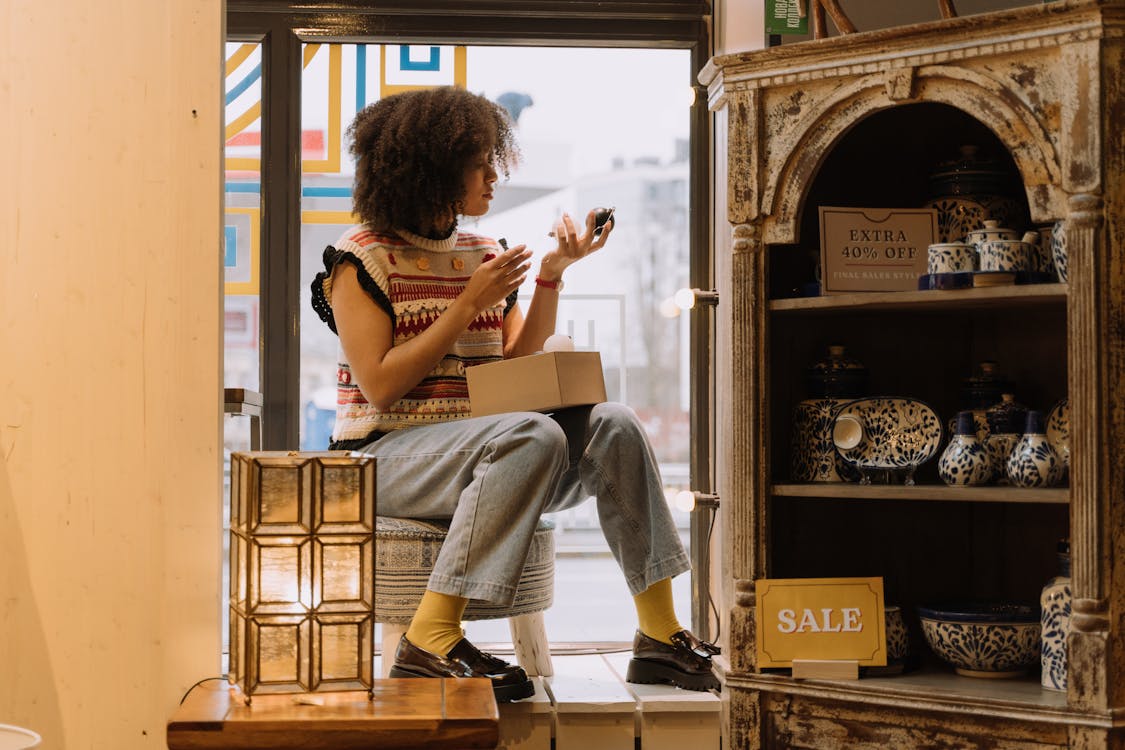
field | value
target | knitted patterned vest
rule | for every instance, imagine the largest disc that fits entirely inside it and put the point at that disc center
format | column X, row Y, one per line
column 414, row 279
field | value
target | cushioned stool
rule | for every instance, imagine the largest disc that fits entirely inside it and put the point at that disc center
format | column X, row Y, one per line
column 405, row 551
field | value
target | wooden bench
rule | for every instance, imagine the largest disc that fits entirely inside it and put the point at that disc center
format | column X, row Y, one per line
column 432, row 713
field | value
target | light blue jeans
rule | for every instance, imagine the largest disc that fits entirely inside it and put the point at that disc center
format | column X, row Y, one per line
column 493, row 477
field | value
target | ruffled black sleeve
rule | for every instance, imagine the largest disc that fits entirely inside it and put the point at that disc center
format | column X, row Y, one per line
column 320, row 303
column 510, row 302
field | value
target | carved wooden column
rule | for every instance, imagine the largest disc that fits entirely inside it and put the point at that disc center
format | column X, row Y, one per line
column 748, row 472
column 746, row 380
column 748, row 475
column 1090, row 619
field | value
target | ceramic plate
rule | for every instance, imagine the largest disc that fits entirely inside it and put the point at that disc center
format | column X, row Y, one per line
column 1058, row 429
column 886, row 433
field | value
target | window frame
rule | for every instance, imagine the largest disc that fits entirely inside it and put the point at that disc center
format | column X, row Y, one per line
column 282, row 26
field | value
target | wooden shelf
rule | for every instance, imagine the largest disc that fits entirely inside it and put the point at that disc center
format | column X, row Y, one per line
column 849, row 491
column 970, row 299
column 936, row 689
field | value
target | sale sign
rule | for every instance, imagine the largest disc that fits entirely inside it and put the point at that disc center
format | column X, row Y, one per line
column 820, row 619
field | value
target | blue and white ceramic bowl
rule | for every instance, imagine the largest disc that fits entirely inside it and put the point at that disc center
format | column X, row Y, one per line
column 984, row 639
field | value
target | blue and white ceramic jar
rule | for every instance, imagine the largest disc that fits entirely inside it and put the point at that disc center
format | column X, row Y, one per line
column 999, row 446
column 991, row 231
column 813, row 456
column 1058, row 250
column 1033, row 462
column 964, row 461
column 972, row 188
column 1006, row 421
column 985, row 387
column 1007, row 416
column 1054, row 607
column 836, row 376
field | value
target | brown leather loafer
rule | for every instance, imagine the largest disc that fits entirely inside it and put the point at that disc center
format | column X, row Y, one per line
column 509, row 682
column 685, row 663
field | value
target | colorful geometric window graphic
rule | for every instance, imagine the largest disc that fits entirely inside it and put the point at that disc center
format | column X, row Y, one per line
column 244, row 76
column 241, row 232
column 396, row 68
column 330, row 164
column 408, row 67
column 243, row 72
column 230, row 246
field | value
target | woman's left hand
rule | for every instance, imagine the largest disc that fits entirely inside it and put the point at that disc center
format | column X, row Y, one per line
column 572, row 246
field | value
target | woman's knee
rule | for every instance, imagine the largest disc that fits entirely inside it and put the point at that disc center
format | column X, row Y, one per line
column 539, row 431
column 617, row 417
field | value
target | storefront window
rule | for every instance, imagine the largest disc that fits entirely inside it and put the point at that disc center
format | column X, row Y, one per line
column 588, row 139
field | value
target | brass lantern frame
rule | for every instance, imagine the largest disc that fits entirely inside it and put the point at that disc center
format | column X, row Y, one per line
column 302, row 572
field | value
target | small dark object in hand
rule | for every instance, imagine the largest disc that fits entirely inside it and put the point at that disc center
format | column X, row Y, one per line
column 602, row 216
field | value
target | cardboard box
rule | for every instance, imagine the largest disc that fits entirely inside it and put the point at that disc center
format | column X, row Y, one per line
column 537, row 382
column 874, row 249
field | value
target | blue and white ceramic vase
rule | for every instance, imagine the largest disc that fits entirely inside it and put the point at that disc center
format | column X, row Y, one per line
column 964, row 461
column 1054, row 607
column 1006, row 421
column 1033, row 462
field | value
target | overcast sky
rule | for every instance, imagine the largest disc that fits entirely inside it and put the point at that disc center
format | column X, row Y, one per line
column 583, row 95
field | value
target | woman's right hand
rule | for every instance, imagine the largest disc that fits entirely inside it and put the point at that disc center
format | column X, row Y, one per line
column 495, row 279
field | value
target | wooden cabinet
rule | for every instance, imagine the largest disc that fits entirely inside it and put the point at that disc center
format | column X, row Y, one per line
column 860, row 120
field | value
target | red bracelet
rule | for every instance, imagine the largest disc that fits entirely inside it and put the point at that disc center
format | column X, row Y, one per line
column 556, row 284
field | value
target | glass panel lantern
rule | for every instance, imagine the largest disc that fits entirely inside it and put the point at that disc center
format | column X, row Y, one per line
column 302, row 571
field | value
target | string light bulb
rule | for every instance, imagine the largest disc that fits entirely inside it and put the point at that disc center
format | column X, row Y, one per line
column 689, row 500
column 686, row 298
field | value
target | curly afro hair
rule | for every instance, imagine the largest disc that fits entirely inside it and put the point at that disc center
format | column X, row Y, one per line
column 413, row 150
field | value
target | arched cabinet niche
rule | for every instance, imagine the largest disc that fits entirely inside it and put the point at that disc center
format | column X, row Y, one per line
column 864, row 120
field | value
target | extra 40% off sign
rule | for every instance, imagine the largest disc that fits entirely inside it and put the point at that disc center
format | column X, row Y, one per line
column 874, row 249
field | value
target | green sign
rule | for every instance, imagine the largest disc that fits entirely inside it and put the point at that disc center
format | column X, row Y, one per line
column 787, row 17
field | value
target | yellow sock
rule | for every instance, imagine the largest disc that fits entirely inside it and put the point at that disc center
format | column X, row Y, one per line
column 436, row 626
column 655, row 612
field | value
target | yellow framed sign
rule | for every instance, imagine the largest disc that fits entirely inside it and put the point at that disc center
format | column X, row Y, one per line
column 820, row 619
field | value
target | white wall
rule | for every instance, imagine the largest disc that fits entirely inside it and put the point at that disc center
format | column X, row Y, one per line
column 109, row 365
column 739, row 25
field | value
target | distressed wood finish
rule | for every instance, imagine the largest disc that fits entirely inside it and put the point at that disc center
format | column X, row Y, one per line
column 402, row 714
column 1048, row 81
